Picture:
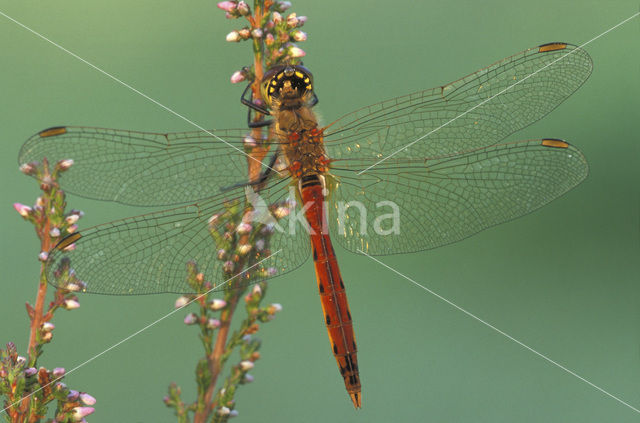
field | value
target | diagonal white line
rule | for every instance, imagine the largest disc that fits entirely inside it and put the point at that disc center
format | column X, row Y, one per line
column 495, row 95
column 489, row 325
column 132, row 88
column 139, row 331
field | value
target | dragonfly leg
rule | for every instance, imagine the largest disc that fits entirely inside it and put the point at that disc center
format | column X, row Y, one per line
column 251, row 105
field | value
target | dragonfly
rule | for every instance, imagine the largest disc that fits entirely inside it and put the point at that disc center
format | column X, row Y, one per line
column 436, row 161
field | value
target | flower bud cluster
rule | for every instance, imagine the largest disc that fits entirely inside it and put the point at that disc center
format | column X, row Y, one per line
column 18, row 380
column 278, row 32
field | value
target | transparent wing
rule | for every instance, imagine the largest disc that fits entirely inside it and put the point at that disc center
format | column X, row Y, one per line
column 142, row 168
column 148, row 254
column 440, row 200
column 544, row 77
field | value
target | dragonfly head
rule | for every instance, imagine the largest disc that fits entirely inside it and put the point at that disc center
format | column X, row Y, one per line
column 286, row 83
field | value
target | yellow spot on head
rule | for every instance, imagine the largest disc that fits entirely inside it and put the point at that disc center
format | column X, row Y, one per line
column 308, row 87
column 271, row 89
column 280, row 75
column 299, row 74
column 306, row 80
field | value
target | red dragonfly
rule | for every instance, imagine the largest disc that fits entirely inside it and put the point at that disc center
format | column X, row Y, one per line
column 435, row 159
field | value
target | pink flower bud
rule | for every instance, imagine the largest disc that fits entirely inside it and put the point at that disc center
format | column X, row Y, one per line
column 256, row 33
column 256, row 290
column 217, row 304
column 228, row 266
column 272, row 271
column 190, row 319
column 30, row 371
column 181, row 302
column 80, row 412
column 299, row 35
column 295, row 52
column 292, row 20
column 233, row 36
column 72, row 228
column 248, row 378
column 283, row 5
column 73, row 395
column 224, row 411
column 222, row 254
column 274, row 308
column 281, row 212
column 87, row 399
column 269, row 39
column 58, row 372
column 213, row 220
column 213, row 323
column 43, row 256
column 246, row 365
column 244, row 33
column 27, row 168
column 54, row 232
column 243, row 249
column 243, row 8
column 238, row 76
column 302, row 20
column 47, row 336
column 259, row 244
column 22, row 210
column 65, row 164
column 233, row 413
column 277, row 18
column 48, row 326
column 72, row 218
column 249, row 141
column 70, row 304
column 227, row 6
column 73, row 287
column 40, row 202
column 244, row 228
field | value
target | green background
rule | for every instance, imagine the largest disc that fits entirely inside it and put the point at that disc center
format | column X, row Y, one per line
column 564, row 280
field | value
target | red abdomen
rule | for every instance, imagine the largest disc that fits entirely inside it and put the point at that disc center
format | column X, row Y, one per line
column 335, row 307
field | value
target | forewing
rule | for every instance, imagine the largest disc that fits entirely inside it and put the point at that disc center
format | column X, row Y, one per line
column 478, row 110
column 444, row 199
column 142, row 168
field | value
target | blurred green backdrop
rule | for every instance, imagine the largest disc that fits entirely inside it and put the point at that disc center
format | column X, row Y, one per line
column 564, row 280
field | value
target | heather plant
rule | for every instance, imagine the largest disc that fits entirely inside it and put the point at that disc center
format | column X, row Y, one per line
column 30, row 392
column 272, row 38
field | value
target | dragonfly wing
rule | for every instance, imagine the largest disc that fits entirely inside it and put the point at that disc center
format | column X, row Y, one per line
column 142, row 168
column 475, row 111
column 445, row 199
column 148, row 254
